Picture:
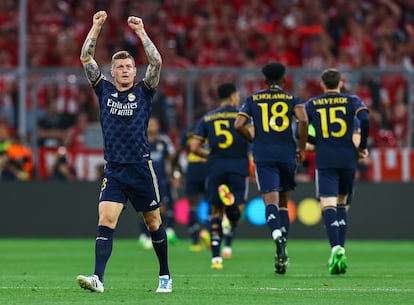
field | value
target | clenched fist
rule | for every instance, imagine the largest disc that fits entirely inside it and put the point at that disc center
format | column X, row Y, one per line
column 135, row 23
column 99, row 18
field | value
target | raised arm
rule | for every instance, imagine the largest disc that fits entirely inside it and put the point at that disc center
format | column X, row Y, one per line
column 88, row 49
column 152, row 75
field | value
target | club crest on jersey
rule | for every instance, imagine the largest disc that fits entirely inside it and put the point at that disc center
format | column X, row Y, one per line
column 131, row 97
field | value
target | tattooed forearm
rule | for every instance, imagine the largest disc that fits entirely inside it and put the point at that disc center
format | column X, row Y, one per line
column 88, row 49
column 92, row 71
column 153, row 55
column 152, row 75
column 88, row 52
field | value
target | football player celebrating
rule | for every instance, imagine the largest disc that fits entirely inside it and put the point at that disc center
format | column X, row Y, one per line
column 125, row 109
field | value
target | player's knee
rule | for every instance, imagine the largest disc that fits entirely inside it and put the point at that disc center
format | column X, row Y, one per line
column 283, row 199
column 109, row 221
column 152, row 221
column 327, row 202
column 153, row 225
column 233, row 214
column 283, row 203
column 342, row 199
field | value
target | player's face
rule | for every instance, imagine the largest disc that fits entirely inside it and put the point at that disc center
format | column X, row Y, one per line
column 124, row 72
column 236, row 98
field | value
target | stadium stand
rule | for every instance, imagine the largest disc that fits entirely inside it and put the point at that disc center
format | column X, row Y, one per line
column 208, row 33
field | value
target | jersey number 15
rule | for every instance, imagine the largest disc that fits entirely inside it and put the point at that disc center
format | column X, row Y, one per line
column 329, row 117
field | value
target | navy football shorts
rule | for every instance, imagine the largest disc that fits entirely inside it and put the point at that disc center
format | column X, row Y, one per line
column 165, row 192
column 275, row 176
column 195, row 180
column 238, row 185
column 331, row 182
column 135, row 182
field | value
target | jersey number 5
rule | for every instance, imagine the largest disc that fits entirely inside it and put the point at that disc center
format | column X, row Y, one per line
column 221, row 129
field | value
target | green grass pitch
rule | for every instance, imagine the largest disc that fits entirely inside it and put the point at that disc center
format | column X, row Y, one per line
column 42, row 272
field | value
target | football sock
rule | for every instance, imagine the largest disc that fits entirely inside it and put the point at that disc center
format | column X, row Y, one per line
column 284, row 222
column 273, row 220
column 207, row 224
column 170, row 222
column 103, row 249
column 343, row 224
column 160, row 244
column 331, row 225
column 216, row 234
column 228, row 237
column 194, row 227
column 233, row 214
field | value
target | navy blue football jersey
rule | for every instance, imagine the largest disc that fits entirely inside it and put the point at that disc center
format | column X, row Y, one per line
column 333, row 116
column 272, row 114
column 228, row 150
column 196, row 169
column 160, row 149
column 124, row 119
column 184, row 143
column 311, row 131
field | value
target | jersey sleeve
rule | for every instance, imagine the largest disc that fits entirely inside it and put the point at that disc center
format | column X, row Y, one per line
column 298, row 102
column 200, row 131
column 359, row 104
column 357, row 125
column 245, row 109
column 182, row 143
column 99, row 84
column 169, row 146
column 308, row 110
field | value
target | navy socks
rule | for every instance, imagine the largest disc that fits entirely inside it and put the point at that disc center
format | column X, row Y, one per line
column 216, row 234
column 331, row 225
column 273, row 219
column 342, row 224
column 103, row 249
column 284, row 222
column 159, row 241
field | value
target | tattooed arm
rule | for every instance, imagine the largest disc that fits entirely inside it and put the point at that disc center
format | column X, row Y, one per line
column 88, row 49
column 152, row 75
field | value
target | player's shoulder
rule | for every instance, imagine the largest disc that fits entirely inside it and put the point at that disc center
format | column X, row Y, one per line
column 288, row 94
column 311, row 99
column 102, row 81
column 164, row 138
column 354, row 97
column 104, row 88
column 187, row 132
column 143, row 85
column 207, row 116
column 256, row 93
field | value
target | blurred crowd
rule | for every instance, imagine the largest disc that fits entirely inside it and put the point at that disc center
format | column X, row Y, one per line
column 315, row 34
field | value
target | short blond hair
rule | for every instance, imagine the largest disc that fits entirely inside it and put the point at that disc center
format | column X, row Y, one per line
column 122, row 55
